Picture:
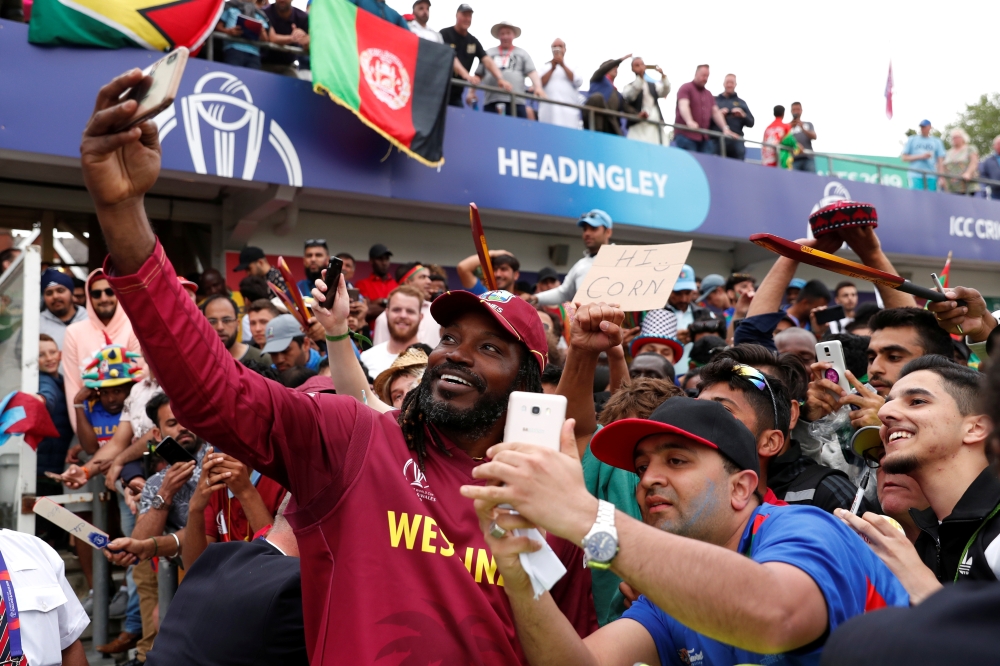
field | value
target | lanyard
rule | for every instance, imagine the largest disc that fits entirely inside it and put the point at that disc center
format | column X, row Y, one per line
column 13, row 622
column 965, row 552
column 506, row 58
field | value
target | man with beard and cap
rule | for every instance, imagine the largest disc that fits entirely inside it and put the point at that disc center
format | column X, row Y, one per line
column 223, row 315
column 60, row 311
column 315, row 257
column 393, row 558
column 106, row 324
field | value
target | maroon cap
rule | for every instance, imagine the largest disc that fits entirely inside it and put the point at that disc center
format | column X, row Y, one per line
column 515, row 314
column 842, row 214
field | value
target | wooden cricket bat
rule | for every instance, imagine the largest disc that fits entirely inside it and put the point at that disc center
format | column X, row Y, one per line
column 813, row 257
column 294, row 311
column 479, row 240
column 286, row 273
column 69, row 521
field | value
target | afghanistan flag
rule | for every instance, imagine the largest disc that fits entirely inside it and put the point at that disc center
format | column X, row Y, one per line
column 395, row 82
column 158, row 25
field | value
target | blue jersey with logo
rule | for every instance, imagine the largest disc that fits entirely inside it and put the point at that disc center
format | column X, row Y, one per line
column 104, row 424
column 851, row 577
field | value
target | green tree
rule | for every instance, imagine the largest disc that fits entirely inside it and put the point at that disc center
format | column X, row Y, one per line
column 982, row 121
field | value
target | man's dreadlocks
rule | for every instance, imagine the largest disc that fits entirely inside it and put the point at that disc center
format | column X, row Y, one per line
column 412, row 420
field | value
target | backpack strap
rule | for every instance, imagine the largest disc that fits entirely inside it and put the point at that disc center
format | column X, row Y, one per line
column 803, row 489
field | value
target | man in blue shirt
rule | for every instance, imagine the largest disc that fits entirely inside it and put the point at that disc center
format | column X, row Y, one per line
column 924, row 152
column 724, row 579
column 238, row 53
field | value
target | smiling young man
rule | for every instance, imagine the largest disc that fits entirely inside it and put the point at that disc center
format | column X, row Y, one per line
column 934, row 431
column 60, row 310
column 393, row 559
column 725, row 580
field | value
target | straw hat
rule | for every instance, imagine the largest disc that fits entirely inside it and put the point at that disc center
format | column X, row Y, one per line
column 495, row 30
column 409, row 359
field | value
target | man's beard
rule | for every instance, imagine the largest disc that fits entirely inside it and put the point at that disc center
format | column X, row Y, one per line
column 404, row 334
column 193, row 445
column 312, row 276
column 105, row 311
column 698, row 520
column 229, row 341
column 475, row 422
column 62, row 311
column 901, row 464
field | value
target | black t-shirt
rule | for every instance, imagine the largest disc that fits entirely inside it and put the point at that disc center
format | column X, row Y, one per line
column 283, row 26
column 467, row 48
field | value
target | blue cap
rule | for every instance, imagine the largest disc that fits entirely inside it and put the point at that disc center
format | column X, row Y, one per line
column 53, row 277
column 595, row 218
column 925, row 123
column 796, row 283
column 685, row 281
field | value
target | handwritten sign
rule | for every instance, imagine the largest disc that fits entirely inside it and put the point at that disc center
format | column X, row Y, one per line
column 636, row 277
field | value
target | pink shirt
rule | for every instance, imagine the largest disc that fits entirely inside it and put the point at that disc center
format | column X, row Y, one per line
column 393, row 559
column 702, row 103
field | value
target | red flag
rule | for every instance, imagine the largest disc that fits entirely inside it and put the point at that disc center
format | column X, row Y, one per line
column 23, row 413
column 888, row 93
column 946, row 271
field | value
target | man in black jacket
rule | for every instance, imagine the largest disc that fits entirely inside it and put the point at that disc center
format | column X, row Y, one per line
column 737, row 115
column 241, row 603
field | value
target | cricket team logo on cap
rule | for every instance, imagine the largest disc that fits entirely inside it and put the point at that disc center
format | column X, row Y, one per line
column 387, row 77
column 499, row 296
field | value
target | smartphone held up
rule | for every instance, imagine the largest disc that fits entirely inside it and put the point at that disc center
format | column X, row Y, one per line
column 535, row 418
column 157, row 89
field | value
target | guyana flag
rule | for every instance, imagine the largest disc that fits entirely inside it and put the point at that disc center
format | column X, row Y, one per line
column 158, row 25
column 395, row 82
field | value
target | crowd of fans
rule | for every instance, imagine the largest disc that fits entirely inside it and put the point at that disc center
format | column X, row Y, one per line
column 726, row 362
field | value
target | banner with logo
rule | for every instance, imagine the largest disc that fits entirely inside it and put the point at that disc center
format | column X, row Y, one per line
column 395, row 82
column 158, row 25
column 865, row 173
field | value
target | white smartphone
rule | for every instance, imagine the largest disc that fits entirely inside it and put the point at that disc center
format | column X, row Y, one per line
column 157, row 89
column 535, row 418
column 833, row 352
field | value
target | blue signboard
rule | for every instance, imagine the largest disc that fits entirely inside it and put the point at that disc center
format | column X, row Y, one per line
column 251, row 125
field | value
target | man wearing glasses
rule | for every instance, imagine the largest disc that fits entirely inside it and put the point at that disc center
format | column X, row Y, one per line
column 223, row 315
column 106, row 323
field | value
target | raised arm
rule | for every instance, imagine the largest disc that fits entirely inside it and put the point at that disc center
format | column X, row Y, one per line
column 256, row 420
column 466, row 268
column 772, row 288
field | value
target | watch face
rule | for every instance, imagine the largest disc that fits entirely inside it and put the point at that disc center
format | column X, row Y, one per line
column 601, row 547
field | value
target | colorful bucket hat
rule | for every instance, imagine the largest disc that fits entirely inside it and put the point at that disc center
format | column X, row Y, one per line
column 842, row 214
column 111, row 366
column 658, row 326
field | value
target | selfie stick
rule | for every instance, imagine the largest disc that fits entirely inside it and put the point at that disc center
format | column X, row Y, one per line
column 479, row 240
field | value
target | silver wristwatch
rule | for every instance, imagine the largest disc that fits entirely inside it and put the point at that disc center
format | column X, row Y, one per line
column 600, row 546
column 158, row 502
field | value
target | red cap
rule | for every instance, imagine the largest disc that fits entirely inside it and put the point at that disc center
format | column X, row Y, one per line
column 187, row 284
column 515, row 314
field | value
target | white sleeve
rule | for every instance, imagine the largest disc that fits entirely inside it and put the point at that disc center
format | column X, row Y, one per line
column 72, row 618
column 564, row 292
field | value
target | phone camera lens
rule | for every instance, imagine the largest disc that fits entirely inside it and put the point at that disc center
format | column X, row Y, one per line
column 535, row 410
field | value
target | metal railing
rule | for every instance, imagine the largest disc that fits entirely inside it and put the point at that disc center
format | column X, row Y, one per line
column 592, row 112
column 210, row 45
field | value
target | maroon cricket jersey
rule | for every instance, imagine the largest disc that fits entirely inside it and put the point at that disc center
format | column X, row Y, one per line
column 394, row 565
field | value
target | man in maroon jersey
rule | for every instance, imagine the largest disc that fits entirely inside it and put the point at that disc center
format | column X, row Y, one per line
column 394, row 565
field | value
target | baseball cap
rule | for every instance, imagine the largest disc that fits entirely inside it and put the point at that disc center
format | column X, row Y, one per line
column 866, row 438
column 279, row 333
column 548, row 273
column 703, row 422
column 516, row 315
column 53, row 277
column 378, row 250
column 685, row 281
column 464, row 8
column 595, row 218
column 248, row 255
column 796, row 283
column 925, row 123
column 710, row 283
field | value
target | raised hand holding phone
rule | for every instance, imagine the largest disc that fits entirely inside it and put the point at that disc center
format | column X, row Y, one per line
column 334, row 320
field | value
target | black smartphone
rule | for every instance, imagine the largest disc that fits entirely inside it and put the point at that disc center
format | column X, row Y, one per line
column 172, row 452
column 332, row 280
column 353, row 295
column 836, row 313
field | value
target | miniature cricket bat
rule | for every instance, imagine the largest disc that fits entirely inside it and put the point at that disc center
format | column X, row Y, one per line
column 70, row 522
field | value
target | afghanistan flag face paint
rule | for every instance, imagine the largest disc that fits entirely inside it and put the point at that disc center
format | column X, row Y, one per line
column 395, row 82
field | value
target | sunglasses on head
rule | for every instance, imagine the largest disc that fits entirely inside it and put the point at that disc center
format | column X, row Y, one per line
column 316, row 242
column 96, row 293
column 757, row 378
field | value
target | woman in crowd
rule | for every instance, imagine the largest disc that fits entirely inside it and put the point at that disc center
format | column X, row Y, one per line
column 961, row 161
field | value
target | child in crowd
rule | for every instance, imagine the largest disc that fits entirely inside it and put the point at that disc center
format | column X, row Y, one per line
column 51, row 450
column 107, row 381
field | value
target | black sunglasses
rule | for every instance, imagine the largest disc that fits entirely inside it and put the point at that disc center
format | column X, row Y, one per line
column 873, row 456
column 96, row 293
column 316, row 242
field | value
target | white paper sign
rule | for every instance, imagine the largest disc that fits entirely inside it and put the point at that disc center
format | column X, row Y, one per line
column 636, row 277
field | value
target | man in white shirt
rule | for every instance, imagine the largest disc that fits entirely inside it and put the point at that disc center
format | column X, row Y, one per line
column 596, row 226
column 418, row 26
column 39, row 596
column 643, row 95
column 404, row 315
column 561, row 84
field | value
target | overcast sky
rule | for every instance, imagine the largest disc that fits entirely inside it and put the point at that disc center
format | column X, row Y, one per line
column 832, row 57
